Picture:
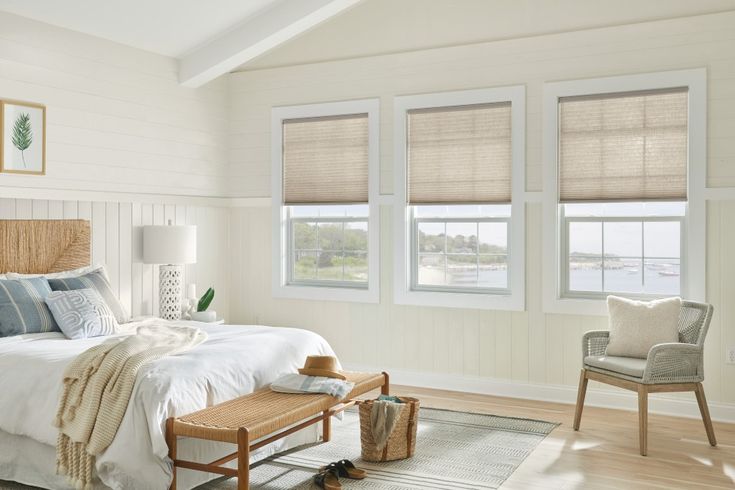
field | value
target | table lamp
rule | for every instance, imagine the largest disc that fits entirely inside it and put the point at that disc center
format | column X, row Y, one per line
column 170, row 246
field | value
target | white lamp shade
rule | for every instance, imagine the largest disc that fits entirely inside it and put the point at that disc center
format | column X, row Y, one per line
column 170, row 244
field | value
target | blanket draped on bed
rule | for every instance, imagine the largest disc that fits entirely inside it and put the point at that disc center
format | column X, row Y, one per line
column 97, row 389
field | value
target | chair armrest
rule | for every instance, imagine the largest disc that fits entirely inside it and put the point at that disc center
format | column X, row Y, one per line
column 594, row 343
column 674, row 363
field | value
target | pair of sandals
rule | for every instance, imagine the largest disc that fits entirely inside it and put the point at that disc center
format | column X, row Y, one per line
column 328, row 476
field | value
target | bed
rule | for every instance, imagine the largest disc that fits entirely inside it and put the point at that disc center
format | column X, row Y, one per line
column 233, row 361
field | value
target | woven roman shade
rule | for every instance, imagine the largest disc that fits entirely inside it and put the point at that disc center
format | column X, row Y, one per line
column 624, row 147
column 325, row 160
column 460, row 154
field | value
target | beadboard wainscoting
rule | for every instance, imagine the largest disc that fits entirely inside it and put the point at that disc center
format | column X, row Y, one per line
column 528, row 354
column 117, row 243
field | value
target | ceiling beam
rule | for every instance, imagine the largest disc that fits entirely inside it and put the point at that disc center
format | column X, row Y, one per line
column 258, row 35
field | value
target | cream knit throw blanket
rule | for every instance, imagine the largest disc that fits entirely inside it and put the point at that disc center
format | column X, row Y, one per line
column 97, row 389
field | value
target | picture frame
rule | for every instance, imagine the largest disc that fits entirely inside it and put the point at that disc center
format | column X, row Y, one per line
column 22, row 137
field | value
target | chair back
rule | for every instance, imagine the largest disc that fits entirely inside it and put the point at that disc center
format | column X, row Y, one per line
column 694, row 322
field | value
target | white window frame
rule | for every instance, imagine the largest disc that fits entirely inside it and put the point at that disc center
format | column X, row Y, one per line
column 694, row 223
column 514, row 298
column 338, row 291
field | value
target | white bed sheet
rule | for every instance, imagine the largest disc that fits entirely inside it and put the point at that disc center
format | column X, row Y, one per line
column 234, row 360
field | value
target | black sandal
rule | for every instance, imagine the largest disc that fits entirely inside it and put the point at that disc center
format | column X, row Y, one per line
column 346, row 469
column 328, row 479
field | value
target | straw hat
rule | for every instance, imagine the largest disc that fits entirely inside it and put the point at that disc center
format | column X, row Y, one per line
column 321, row 366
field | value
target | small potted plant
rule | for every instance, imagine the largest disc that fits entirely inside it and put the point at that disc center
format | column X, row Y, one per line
column 202, row 315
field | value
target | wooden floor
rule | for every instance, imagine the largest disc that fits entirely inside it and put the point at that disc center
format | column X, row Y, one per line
column 604, row 453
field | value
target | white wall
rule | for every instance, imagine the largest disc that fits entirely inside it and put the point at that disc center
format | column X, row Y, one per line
column 479, row 348
column 117, row 119
column 124, row 141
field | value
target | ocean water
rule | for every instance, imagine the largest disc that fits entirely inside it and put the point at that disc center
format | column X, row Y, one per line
column 624, row 280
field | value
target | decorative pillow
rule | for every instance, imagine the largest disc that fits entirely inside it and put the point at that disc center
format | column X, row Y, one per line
column 82, row 313
column 22, row 309
column 96, row 280
column 636, row 326
column 60, row 275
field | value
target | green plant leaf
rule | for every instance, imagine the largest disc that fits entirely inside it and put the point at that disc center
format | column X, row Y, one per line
column 22, row 134
column 205, row 300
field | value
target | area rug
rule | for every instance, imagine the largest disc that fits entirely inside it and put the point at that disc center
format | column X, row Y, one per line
column 454, row 450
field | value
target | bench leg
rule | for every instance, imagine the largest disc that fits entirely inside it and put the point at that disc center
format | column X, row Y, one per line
column 171, row 441
column 385, row 389
column 326, row 426
column 243, row 460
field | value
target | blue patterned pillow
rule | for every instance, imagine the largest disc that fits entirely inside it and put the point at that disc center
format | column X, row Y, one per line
column 22, row 309
column 82, row 313
column 96, row 280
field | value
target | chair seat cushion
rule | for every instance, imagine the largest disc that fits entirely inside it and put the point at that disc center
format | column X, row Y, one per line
column 630, row 366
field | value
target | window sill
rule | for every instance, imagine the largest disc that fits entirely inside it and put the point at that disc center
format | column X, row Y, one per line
column 326, row 293
column 473, row 300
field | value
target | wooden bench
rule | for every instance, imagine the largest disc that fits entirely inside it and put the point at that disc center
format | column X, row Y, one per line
column 260, row 418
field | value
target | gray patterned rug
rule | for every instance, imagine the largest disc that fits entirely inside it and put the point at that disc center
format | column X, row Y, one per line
column 454, row 450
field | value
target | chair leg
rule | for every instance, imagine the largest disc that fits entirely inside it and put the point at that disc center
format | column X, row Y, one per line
column 704, row 410
column 243, row 459
column 643, row 418
column 581, row 392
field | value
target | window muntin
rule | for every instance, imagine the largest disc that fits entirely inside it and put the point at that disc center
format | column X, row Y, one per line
column 609, row 249
column 328, row 245
column 460, row 248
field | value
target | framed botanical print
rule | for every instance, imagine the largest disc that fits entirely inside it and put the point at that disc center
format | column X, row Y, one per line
column 23, row 142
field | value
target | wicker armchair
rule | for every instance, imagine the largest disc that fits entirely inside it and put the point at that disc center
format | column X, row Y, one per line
column 669, row 367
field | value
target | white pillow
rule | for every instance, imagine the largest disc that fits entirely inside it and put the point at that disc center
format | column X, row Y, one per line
column 61, row 275
column 636, row 326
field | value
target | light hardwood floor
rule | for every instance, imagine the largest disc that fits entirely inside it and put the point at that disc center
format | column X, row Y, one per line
column 604, row 453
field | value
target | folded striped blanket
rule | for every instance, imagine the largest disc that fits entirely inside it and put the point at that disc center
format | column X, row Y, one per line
column 299, row 383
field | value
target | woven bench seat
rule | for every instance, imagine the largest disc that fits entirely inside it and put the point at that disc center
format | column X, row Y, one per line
column 263, row 414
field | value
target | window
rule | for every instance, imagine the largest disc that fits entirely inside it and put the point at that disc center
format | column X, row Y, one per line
column 329, row 244
column 459, row 203
column 623, row 189
column 460, row 248
column 325, row 181
column 632, row 249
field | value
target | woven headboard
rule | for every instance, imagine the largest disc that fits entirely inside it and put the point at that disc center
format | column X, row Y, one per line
column 43, row 246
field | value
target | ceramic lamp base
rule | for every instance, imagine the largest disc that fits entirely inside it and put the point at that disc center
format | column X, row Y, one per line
column 170, row 290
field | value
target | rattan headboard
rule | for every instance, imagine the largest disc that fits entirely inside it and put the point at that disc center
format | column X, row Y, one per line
column 43, row 246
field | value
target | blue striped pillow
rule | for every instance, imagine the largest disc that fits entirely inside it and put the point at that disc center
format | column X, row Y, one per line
column 96, row 280
column 22, row 307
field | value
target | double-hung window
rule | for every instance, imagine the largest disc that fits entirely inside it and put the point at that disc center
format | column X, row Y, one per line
column 459, row 204
column 325, row 213
column 623, row 196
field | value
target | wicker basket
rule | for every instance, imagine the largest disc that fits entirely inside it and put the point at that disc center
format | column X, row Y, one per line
column 402, row 441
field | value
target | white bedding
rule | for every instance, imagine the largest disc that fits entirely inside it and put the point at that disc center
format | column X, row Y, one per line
column 233, row 361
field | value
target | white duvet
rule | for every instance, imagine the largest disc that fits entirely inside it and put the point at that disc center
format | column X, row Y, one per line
column 234, row 360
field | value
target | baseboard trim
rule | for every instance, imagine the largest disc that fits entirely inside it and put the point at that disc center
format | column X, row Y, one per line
column 619, row 399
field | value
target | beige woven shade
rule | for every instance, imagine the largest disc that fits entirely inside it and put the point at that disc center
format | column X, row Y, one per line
column 325, row 160
column 623, row 147
column 460, row 155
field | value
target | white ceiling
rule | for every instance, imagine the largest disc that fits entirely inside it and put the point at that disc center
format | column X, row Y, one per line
column 168, row 27
column 376, row 27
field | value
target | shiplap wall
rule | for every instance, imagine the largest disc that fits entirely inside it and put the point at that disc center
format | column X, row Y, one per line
column 528, row 346
column 117, row 118
column 117, row 243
